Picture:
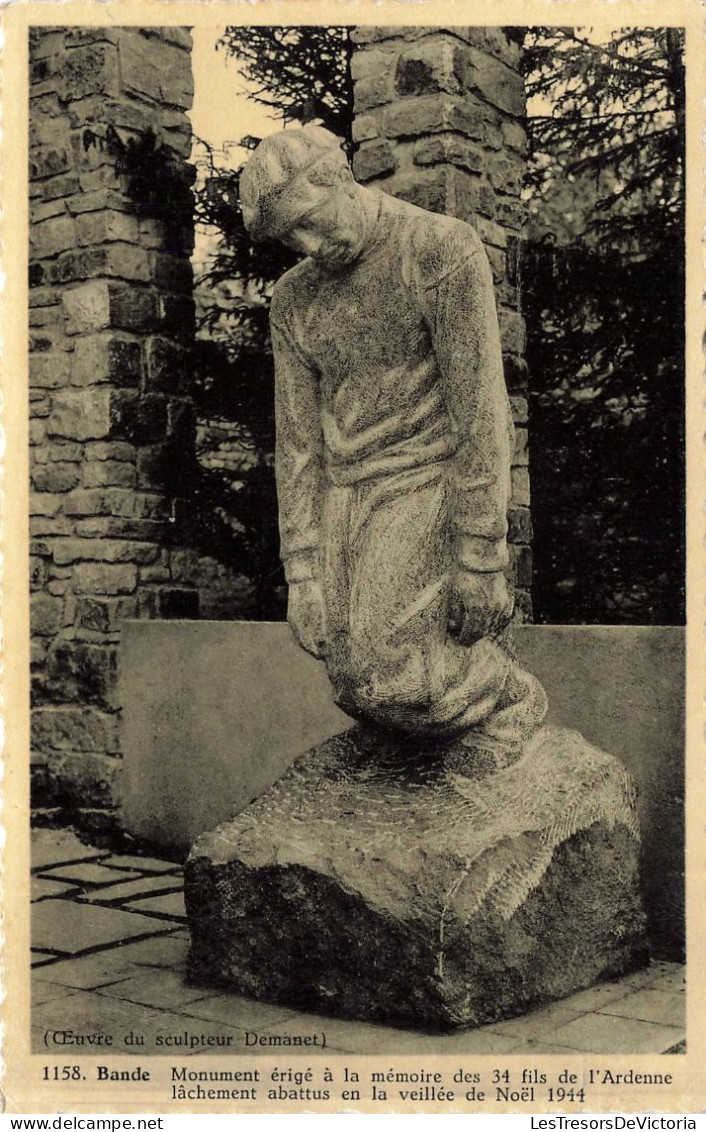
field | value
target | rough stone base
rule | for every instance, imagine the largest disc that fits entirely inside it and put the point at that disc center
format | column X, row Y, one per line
column 384, row 881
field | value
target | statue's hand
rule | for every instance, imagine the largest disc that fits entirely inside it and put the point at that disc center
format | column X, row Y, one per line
column 305, row 614
column 481, row 605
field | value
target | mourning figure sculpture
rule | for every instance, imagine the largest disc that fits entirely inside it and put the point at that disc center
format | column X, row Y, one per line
column 449, row 860
column 394, row 442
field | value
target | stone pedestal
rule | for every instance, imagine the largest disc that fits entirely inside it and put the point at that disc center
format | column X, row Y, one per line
column 381, row 880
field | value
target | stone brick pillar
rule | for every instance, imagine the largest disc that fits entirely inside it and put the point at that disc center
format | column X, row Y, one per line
column 111, row 324
column 439, row 121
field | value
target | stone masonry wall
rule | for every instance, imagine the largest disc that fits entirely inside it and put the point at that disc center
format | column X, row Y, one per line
column 439, row 121
column 111, row 325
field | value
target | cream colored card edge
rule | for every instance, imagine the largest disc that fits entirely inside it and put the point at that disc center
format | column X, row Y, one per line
column 24, row 1092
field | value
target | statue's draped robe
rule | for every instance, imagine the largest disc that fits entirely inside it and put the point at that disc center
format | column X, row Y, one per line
column 394, row 444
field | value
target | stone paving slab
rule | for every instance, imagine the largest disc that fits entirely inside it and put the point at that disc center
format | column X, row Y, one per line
column 674, row 980
column 90, row 971
column 144, row 864
column 131, row 889
column 649, row 1005
column 243, row 1013
column 172, row 905
column 540, row 1045
column 158, row 951
column 538, row 1022
column 594, row 998
column 680, row 1047
column 86, row 873
column 385, row 1040
column 547, row 1048
column 656, row 969
column 40, row 956
column 660, row 967
column 87, row 1013
column 158, row 987
column 65, row 926
column 607, row 1033
column 48, row 992
column 50, row 846
column 40, row 887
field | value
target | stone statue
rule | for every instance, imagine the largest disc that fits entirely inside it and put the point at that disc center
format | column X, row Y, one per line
column 447, row 861
column 394, row 442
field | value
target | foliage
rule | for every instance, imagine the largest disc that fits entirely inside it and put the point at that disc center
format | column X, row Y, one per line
column 613, row 109
column 301, row 72
column 604, row 293
column 607, row 427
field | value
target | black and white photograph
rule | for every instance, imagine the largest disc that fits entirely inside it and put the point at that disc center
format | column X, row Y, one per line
column 357, row 430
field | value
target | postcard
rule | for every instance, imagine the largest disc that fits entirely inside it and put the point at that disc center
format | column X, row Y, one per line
column 353, row 558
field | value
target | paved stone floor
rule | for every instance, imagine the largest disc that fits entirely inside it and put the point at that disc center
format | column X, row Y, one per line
column 109, row 952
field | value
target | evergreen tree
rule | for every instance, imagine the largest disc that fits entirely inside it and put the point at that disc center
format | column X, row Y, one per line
column 604, row 296
column 303, row 73
column 614, row 109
